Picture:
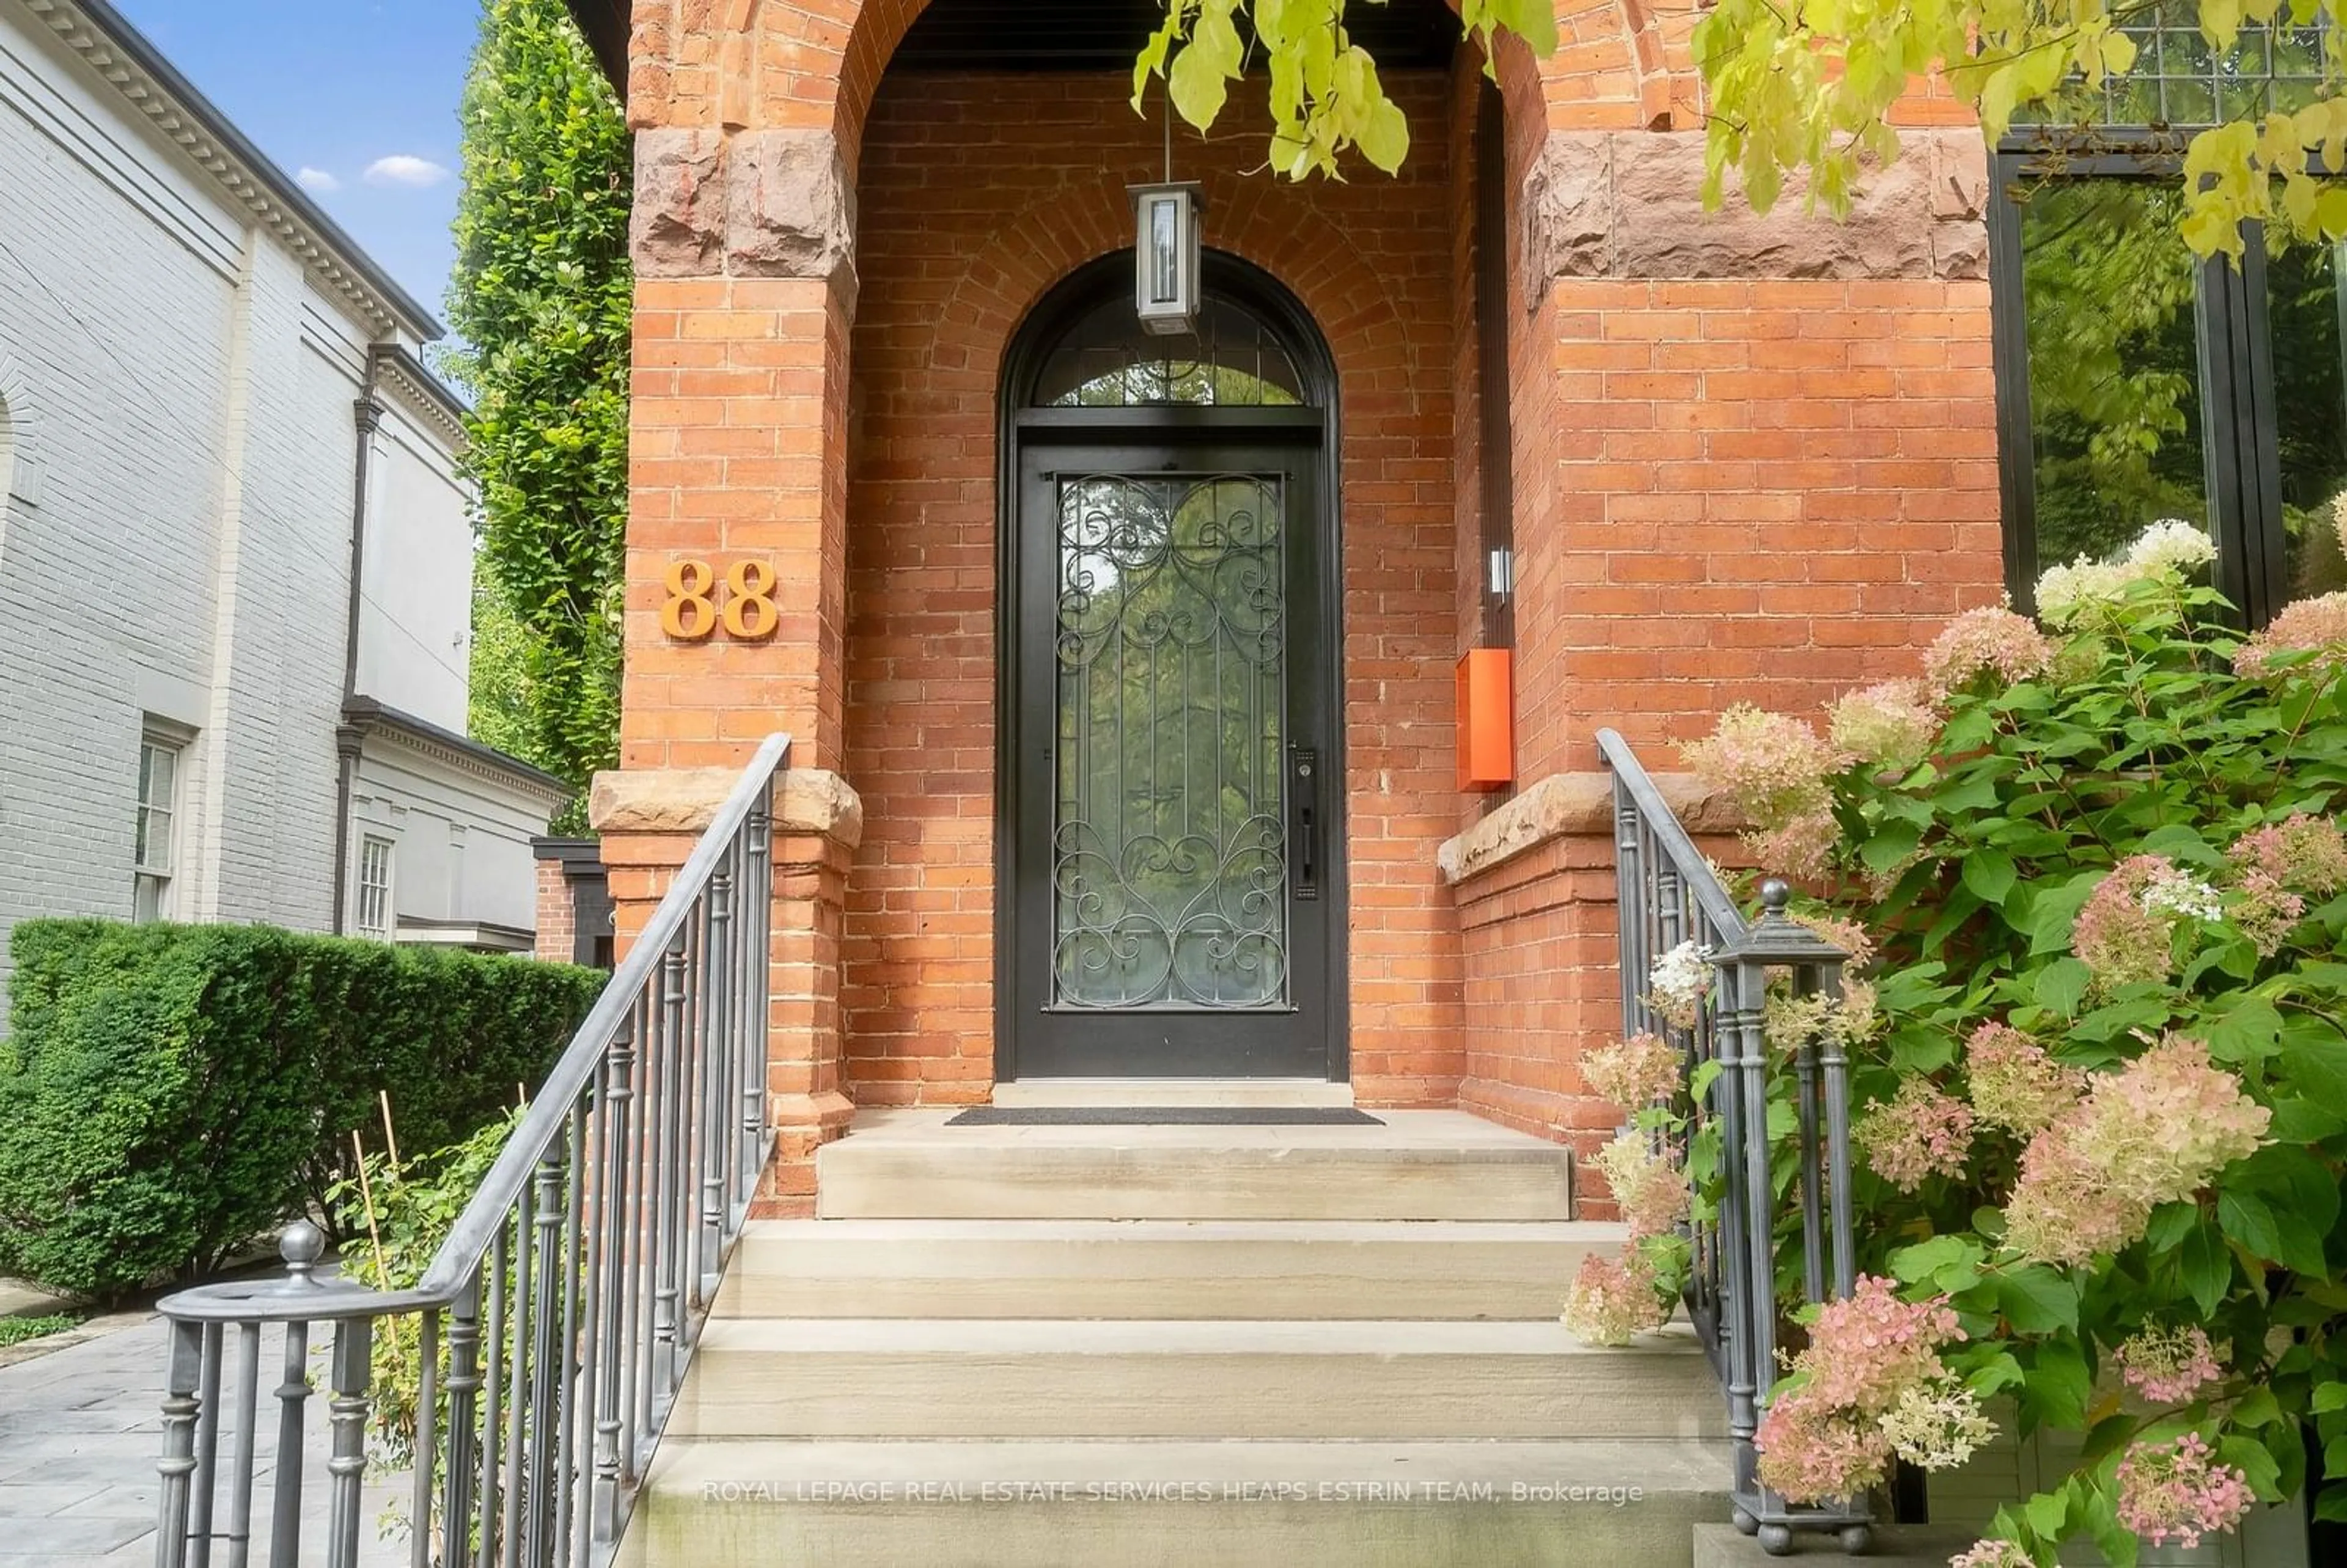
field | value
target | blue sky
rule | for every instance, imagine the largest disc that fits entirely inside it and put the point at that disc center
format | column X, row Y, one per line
column 356, row 97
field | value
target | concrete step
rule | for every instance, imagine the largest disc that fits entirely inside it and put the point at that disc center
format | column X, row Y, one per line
column 1286, row 1092
column 1303, row 1270
column 1417, row 1165
column 917, row 1378
column 1590, row 1504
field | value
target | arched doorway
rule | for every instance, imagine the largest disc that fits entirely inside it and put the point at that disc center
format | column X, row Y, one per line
column 1171, row 811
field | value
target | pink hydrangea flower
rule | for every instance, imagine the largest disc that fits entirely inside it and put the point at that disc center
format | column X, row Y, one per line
column 1852, row 938
column 2177, row 1491
column 2157, row 1131
column 2312, row 626
column 1811, row 1450
column 1611, row 1300
column 2276, row 866
column 1990, row 640
column 2125, row 931
column 2169, row 1366
column 1890, row 727
column 2015, row 1084
column 1868, row 1349
column 1871, row 1383
column 1993, row 1555
column 1917, row 1133
column 1649, row 1187
column 1776, row 770
column 2062, row 1209
column 2168, row 1122
column 1633, row 1073
column 1800, row 846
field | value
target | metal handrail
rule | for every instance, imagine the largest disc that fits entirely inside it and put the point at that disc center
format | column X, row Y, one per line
column 580, row 1269
column 1703, row 885
column 1667, row 895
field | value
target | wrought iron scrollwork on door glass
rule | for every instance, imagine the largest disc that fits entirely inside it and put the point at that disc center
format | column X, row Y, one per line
column 1169, row 853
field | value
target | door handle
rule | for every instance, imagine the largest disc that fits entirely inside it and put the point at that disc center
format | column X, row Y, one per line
column 1304, row 795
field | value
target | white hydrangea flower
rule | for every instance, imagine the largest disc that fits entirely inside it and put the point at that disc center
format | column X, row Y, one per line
column 2186, row 895
column 1937, row 1425
column 2063, row 591
column 2172, row 547
column 1679, row 983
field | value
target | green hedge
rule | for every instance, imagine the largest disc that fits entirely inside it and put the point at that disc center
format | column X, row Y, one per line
column 170, row 1092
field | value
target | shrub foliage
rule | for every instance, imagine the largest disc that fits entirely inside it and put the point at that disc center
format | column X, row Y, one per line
column 2102, row 1060
column 170, row 1092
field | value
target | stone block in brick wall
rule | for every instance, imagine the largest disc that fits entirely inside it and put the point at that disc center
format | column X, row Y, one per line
column 685, row 801
column 1629, row 204
column 676, row 228
column 790, row 207
column 1575, row 805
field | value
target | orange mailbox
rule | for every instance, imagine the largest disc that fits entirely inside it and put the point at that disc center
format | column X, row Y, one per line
column 1487, row 720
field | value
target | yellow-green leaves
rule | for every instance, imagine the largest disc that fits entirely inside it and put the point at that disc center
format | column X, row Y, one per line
column 1324, row 95
column 1810, row 87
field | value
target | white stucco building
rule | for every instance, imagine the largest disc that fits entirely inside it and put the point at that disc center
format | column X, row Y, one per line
column 235, row 560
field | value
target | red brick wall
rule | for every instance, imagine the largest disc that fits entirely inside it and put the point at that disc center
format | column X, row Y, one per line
column 1764, row 491
column 557, row 920
column 975, row 196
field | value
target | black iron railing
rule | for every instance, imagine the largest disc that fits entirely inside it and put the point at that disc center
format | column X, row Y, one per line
column 554, row 1325
column 1669, row 897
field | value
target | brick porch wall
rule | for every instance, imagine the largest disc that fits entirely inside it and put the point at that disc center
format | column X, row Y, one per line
column 975, row 197
column 1752, row 459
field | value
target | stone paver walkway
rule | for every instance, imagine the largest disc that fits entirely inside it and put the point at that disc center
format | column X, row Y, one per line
column 80, row 1432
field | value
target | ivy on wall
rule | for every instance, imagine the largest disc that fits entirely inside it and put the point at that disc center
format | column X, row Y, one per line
column 542, row 300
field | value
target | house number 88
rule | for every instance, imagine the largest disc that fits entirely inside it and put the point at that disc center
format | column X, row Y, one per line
column 694, row 609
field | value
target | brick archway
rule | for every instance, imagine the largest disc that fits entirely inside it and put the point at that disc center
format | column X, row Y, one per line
column 816, row 64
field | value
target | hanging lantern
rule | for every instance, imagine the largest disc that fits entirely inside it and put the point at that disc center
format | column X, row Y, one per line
column 1165, row 244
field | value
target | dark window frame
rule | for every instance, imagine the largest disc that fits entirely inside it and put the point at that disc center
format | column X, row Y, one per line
column 1495, row 432
column 2243, row 466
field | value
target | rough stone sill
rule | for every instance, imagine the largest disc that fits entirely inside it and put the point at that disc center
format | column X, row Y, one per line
column 1573, row 805
column 685, row 799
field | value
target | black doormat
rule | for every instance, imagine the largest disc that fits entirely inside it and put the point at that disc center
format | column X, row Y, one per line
column 1164, row 1116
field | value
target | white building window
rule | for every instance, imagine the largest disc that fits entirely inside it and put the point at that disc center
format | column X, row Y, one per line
column 375, row 889
column 155, row 842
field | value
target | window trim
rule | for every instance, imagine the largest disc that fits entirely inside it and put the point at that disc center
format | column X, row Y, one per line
column 174, row 741
column 2242, row 471
column 388, row 926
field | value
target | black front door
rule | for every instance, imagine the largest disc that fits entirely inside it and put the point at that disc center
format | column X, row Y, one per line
column 1174, row 800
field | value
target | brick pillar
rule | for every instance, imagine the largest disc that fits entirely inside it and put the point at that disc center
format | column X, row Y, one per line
column 744, row 243
column 650, row 820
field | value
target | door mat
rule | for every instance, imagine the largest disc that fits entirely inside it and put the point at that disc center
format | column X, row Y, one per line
column 1164, row 1116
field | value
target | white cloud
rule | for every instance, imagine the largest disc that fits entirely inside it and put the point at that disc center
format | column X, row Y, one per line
column 405, row 168
column 317, row 182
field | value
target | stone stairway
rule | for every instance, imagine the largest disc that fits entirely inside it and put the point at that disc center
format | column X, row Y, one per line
column 1196, row 1345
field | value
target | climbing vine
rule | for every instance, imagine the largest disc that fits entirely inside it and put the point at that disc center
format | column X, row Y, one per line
column 542, row 298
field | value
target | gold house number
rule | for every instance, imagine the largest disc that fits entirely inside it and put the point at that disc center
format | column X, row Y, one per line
column 693, row 609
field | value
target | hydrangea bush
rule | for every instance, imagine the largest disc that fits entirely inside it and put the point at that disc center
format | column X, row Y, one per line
column 2100, row 1055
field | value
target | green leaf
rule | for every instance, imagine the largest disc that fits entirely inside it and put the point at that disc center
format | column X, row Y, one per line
column 1989, row 874
column 2055, row 911
column 2038, row 1300
column 2247, row 1219
column 1891, row 846
column 2205, row 1268
column 2058, row 1386
column 1919, row 1263
column 2062, row 986
column 2316, row 1067
column 2048, row 1514
column 2329, row 1397
column 2249, row 1030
